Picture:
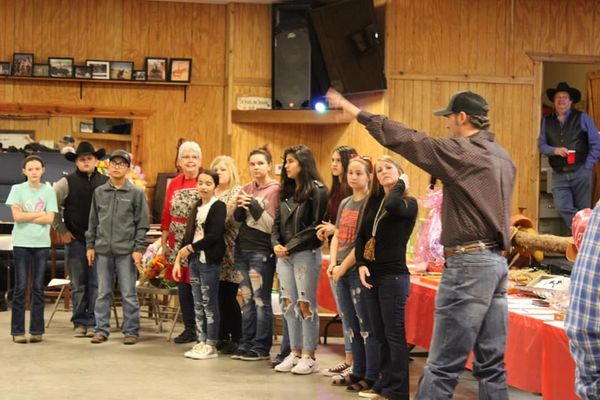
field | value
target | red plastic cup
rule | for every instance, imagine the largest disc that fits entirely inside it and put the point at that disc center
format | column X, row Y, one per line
column 571, row 157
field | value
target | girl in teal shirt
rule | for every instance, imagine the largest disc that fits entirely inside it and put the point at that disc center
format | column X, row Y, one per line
column 33, row 205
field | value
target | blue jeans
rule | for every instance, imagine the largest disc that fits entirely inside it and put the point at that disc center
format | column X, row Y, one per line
column 347, row 344
column 107, row 265
column 257, row 312
column 355, row 317
column 204, row 279
column 299, row 276
column 84, row 284
column 572, row 191
column 386, row 303
column 471, row 314
column 284, row 349
column 29, row 259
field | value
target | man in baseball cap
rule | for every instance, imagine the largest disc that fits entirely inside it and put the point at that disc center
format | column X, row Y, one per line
column 478, row 176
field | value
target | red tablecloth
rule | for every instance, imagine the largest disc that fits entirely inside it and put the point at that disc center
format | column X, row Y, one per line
column 558, row 368
column 325, row 297
column 420, row 307
column 537, row 354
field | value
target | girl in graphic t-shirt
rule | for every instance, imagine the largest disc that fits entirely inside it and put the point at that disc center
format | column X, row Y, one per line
column 350, row 293
column 204, row 247
column 33, row 205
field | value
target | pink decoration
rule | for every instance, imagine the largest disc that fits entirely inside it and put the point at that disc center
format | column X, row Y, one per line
column 428, row 248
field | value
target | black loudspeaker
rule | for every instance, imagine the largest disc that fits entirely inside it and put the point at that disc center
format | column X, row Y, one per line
column 291, row 56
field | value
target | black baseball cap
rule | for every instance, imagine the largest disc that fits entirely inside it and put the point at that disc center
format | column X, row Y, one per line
column 469, row 102
column 121, row 154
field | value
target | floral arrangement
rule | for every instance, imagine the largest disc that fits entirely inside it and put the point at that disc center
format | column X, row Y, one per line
column 153, row 267
column 135, row 175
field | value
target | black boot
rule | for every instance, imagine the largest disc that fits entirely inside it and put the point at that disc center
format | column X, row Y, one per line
column 187, row 336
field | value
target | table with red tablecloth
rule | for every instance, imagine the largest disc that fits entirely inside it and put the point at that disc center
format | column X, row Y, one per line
column 537, row 351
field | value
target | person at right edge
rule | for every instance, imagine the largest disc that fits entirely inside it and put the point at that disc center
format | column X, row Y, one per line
column 565, row 131
column 471, row 305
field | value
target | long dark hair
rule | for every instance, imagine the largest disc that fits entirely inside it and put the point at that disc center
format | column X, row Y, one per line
column 339, row 184
column 308, row 174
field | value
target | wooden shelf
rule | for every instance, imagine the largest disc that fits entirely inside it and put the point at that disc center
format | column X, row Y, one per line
column 101, row 81
column 290, row 117
column 103, row 136
column 79, row 81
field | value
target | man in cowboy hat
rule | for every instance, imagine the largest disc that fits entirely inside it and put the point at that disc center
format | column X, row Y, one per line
column 74, row 194
column 571, row 141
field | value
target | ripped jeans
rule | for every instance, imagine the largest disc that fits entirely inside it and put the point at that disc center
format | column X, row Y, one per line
column 298, row 277
column 257, row 269
column 204, row 279
column 353, row 310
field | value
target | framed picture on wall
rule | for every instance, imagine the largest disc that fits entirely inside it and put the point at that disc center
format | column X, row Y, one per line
column 83, row 72
column 86, row 127
column 156, row 69
column 181, row 70
column 4, row 68
column 41, row 70
column 22, row 64
column 61, row 67
column 121, row 70
column 100, row 69
column 139, row 75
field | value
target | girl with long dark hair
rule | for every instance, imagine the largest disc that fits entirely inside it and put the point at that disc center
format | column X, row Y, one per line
column 303, row 200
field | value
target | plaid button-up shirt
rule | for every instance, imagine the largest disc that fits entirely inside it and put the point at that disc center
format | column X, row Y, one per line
column 583, row 317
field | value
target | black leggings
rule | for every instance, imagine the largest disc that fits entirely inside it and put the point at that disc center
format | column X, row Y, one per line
column 186, row 301
column 231, row 315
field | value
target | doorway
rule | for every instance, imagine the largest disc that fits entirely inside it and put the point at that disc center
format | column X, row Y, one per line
column 549, row 70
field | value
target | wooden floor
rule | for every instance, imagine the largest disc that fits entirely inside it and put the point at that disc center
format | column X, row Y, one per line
column 64, row 367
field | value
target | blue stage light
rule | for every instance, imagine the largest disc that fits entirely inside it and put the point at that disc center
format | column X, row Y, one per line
column 320, row 107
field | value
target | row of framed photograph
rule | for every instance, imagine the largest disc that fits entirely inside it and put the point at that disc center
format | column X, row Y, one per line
column 156, row 69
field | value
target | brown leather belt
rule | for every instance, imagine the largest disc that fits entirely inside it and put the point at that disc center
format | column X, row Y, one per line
column 469, row 247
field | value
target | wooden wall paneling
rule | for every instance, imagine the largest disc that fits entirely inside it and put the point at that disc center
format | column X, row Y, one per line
column 47, row 91
column 209, row 43
column 252, row 41
column 249, row 136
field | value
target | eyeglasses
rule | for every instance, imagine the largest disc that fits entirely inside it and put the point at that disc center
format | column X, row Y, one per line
column 117, row 164
column 190, row 157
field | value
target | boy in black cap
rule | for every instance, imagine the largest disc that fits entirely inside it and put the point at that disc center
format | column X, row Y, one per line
column 74, row 194
column 116, row 239
column 471, row 304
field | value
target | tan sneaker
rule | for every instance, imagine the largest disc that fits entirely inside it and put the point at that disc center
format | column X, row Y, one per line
column 19, row 339
column 80, row 331
column 130, row 339
column 35, row 338
column 98, row 338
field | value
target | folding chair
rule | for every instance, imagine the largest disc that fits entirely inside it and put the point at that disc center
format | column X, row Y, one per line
column 62, row 284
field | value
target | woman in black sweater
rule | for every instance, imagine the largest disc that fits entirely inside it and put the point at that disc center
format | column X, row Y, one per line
column 204, row 246
column 380, row 250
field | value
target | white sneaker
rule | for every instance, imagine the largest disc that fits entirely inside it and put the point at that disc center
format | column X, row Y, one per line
column 208, row 352
column 195, row 351
column 306, row 366
column 288, row 363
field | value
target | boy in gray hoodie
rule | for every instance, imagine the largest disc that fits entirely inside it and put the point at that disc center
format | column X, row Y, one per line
column 116, row 239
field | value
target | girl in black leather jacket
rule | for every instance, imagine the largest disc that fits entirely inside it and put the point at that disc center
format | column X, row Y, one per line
column 303, row 201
